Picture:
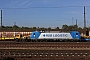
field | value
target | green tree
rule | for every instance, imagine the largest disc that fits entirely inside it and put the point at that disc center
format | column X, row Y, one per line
column 57, row 28
column 15, row 26
column 34, row 28
column 75, row 26
column 71, row 27
column 65, row 26
column 49, row 28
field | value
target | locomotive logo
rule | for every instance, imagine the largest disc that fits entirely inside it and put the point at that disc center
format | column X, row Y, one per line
column 55, row 35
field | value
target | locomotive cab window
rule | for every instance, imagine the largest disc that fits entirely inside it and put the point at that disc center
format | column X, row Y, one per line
column 34, row 34
column 76, row 33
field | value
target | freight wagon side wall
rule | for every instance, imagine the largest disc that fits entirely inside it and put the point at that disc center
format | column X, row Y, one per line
column 12, row 34
column 83, row 34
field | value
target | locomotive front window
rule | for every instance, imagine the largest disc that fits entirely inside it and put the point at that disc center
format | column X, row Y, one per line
column 76, row 33
column 34, row 34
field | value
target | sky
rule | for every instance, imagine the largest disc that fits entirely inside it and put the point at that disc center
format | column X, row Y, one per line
column 44, row 13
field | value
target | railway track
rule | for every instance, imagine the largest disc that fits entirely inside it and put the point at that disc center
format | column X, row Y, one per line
column 45, row 51
column 46, row 54
column 55, row 45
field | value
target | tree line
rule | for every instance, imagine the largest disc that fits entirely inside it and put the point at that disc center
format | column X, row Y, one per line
column 64, row 27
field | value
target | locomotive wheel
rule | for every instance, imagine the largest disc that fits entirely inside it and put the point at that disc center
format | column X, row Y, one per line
column 17, row 40
column 24, row 40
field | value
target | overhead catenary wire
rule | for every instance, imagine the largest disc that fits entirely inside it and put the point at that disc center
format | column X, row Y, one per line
column 42, row 7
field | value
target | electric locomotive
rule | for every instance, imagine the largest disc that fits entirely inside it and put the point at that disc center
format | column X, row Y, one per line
column 41, row 36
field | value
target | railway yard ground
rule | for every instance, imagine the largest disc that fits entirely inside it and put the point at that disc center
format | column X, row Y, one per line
column 44, row 50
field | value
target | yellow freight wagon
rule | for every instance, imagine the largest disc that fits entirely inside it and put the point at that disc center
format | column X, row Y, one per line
column 7, row 38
